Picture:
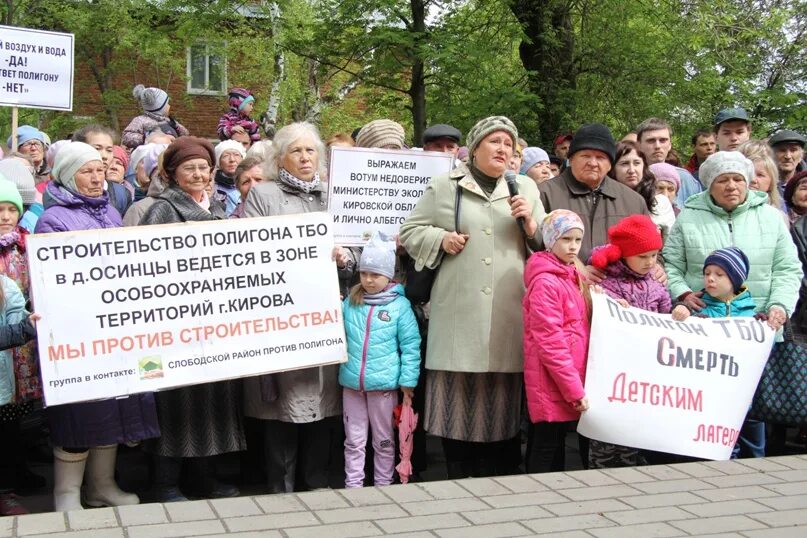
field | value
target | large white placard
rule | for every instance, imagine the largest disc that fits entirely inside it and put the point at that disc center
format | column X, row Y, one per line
column 141, row 309
column 375, row 189
column 36, row 68
column 675, row 387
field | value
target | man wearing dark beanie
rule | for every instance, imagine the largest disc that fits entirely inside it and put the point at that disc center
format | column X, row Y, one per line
column 585, row 188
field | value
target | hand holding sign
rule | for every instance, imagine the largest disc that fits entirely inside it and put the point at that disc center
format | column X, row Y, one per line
column 776, row 317
column 340, row 256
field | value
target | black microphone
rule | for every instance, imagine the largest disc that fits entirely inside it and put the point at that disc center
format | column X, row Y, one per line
column 512, row 186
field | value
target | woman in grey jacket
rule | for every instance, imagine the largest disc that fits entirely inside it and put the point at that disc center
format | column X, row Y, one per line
column 299, row 410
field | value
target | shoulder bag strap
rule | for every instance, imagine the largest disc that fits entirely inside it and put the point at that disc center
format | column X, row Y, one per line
column 457, row 207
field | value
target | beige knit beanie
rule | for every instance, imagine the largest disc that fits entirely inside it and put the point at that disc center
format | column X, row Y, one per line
column 486, row 126
column 380, row 133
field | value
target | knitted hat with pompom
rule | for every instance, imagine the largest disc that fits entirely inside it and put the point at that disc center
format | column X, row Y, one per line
column 631, row 236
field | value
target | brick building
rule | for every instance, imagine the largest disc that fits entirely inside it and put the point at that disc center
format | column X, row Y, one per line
column 198, row 94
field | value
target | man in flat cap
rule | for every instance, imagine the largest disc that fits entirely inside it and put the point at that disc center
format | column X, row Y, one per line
column 443, row 138
column 788, row 148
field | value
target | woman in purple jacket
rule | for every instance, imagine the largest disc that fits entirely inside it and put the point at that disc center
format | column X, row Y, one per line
column 86, row 435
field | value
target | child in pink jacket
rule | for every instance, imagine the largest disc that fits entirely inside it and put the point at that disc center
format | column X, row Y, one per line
column 556, row 330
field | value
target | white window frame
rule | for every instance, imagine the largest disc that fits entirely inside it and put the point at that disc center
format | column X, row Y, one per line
column 188, row 72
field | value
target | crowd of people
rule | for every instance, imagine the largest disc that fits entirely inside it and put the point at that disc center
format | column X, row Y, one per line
column 496, row 352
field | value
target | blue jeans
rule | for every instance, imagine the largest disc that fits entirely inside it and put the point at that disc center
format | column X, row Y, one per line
column 751, row 443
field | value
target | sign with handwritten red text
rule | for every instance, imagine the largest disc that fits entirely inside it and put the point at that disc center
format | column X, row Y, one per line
column 675, row 387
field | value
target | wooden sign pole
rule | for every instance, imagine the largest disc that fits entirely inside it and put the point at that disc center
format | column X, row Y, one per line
column 15, row 119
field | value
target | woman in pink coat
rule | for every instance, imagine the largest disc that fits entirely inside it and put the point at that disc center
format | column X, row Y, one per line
column 556, row 330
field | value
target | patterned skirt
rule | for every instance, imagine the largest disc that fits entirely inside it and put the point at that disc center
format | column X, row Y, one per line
column 478, row 407
column 199, row 420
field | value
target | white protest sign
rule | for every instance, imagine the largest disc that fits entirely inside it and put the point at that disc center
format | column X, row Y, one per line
column 375, row 189
column 675, row 387
column 140, row 309
column 36, row 68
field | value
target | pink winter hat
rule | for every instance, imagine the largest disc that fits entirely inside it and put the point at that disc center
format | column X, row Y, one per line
column 666, row 172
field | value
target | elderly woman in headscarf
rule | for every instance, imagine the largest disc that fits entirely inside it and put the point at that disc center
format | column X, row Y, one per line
column 474, row 352
column 300, row 409
column 202, row 420
column 729, row 214
column 86, row 435
column 796, row 196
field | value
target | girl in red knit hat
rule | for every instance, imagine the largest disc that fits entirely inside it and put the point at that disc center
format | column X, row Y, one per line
column 628, row 261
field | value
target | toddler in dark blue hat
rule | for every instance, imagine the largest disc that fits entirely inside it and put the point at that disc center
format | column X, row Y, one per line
column 724, row 273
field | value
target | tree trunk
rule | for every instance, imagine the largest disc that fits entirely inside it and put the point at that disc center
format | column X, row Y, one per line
column 8, row 20
column 269, row 118
column 417, row 88
column 111, row 111
column 314, row 113
column 102, row 80
column 548, row 56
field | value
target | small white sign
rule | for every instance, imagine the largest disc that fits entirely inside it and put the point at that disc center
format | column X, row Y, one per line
column 36, row 68
column 373, row 190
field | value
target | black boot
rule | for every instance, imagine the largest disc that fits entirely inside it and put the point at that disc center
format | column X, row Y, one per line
column 459, row 469
column 165, row 485
column 204, row 482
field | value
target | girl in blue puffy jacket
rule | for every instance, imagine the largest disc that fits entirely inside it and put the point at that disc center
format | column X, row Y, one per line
column 383, row 344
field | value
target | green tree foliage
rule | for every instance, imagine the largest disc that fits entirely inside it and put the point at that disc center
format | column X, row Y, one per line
column 621, row 62
column 550, row 65
column 112, row 38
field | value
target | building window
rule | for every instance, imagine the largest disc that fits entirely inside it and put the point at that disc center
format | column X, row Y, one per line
column 207, row 69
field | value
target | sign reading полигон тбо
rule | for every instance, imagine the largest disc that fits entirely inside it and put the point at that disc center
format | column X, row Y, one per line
column 681, row 387
column 36, row 68
column 131, row 310
column 373, row 190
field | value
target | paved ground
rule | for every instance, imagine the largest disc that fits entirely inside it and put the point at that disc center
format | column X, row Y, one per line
column 748, row 498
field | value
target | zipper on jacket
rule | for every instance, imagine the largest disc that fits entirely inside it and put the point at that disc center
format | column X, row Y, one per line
column 728, row 304
column 364, row 348
column 731, row 230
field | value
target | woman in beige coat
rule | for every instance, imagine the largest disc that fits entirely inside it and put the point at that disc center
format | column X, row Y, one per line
column 474, row 352
column 299, row 410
